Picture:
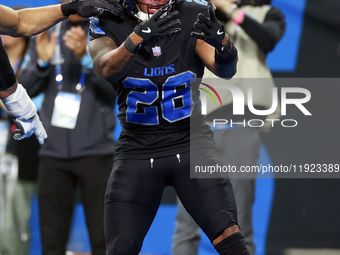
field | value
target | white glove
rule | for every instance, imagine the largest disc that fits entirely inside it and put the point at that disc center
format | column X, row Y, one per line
column 28, row 127
column 24, row 112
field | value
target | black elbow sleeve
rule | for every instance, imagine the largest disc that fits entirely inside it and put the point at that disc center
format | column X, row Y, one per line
column 7, row 76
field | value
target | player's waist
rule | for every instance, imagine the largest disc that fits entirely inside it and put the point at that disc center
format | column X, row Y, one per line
column 156, row 129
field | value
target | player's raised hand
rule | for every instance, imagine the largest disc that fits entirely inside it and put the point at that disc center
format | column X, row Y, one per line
column 210, row 29
column 162, row 24
column 86, row 8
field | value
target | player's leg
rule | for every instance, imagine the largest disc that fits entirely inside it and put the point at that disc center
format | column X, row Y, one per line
column 210, row 202
column 186, row 237
column 56, row 189
column 240, row 147
column 132, row 198
column 93, row 173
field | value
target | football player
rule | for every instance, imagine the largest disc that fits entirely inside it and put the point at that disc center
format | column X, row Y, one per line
column 27, row 22
column 150, row 57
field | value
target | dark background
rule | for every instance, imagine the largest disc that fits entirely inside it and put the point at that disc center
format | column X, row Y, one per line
column 305, row 212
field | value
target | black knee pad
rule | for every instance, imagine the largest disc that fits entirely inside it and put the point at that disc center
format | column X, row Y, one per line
column 232, row 245
column 124, row 246
column 220, row 221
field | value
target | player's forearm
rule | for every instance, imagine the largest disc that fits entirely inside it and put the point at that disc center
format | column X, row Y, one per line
column 28, row 21
column 115, row 63
column 226, row 60
column 226, row 70
column 35, row 20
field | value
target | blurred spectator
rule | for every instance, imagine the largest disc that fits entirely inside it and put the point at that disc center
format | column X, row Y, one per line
column 78, row 116
column 255, row 27
column 20, row 168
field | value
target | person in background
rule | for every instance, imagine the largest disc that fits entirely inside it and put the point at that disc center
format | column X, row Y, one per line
column 78, row 115
column 255, row 28
column 21, row 166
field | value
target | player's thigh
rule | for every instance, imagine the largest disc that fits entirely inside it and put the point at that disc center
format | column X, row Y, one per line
column 132, row 198
column 210, row 201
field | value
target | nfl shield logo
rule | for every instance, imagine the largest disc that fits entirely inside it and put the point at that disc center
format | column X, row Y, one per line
column 156, row 51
